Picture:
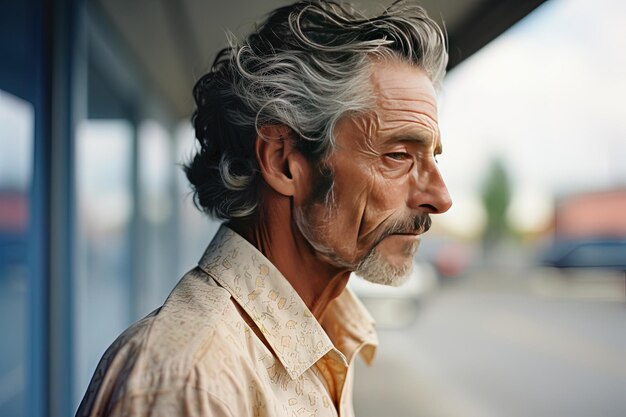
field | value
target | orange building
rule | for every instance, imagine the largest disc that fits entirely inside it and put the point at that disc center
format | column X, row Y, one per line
column 600, row 214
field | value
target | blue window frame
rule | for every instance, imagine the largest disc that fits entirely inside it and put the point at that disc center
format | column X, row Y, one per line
column 24, row 141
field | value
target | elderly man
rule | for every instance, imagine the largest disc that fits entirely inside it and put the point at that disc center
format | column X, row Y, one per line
column 318, row 140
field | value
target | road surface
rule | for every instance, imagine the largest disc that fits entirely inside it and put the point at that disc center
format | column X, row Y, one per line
column 529, row 345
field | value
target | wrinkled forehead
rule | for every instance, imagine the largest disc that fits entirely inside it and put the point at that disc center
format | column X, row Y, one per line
column 405, row 101
column 403, row 87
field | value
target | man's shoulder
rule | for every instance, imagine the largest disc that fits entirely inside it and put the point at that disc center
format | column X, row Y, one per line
column 162, row 351
column 195, row 313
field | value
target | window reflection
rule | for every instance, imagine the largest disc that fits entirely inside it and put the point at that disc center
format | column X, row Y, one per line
column 16, row 153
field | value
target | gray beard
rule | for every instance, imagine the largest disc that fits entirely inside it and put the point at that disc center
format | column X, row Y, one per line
column 375, row 268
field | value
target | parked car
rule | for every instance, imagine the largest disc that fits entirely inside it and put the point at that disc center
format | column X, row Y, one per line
column 586, row 253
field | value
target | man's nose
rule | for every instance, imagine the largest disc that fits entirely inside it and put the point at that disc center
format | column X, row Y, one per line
column 429, row 192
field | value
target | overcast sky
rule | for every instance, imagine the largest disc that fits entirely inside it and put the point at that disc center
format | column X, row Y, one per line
column 548, row 98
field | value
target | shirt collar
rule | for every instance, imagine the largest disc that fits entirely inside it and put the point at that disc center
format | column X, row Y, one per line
column 351, row 327
column 292, row 331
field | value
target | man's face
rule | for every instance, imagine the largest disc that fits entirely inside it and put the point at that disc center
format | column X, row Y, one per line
column 385, row 180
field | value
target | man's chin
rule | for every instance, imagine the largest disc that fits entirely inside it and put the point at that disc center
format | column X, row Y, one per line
column 391, row 261
column 375, row 269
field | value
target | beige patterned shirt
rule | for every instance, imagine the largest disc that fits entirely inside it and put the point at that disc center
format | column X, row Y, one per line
column 234, row 339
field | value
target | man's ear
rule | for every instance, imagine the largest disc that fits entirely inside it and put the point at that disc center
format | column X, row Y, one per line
column 282, row 166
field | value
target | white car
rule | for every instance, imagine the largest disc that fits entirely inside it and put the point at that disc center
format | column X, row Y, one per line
column 396, row 306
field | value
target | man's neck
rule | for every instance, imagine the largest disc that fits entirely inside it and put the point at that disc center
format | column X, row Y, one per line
column 280, row 241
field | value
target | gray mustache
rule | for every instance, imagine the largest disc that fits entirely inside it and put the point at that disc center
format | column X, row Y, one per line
column 419, row 223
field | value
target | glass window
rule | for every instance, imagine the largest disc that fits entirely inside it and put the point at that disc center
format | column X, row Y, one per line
column 16, row 155
column 156, row 169
column 103, row 257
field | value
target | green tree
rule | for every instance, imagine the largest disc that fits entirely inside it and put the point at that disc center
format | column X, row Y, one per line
column 496, row 196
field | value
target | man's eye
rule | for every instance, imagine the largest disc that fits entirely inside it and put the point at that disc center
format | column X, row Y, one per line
column 398, row 156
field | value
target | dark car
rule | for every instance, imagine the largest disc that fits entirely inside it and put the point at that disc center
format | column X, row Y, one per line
column 588, row 253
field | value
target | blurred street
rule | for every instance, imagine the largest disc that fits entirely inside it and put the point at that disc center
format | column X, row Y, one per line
column 505, row 344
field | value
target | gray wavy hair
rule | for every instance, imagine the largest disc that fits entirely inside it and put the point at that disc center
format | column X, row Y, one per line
column 307, row 66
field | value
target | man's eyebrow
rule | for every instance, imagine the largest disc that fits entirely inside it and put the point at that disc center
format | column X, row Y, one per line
column 420, row 138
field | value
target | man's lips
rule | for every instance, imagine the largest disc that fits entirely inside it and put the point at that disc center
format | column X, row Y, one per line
column 414, row 233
